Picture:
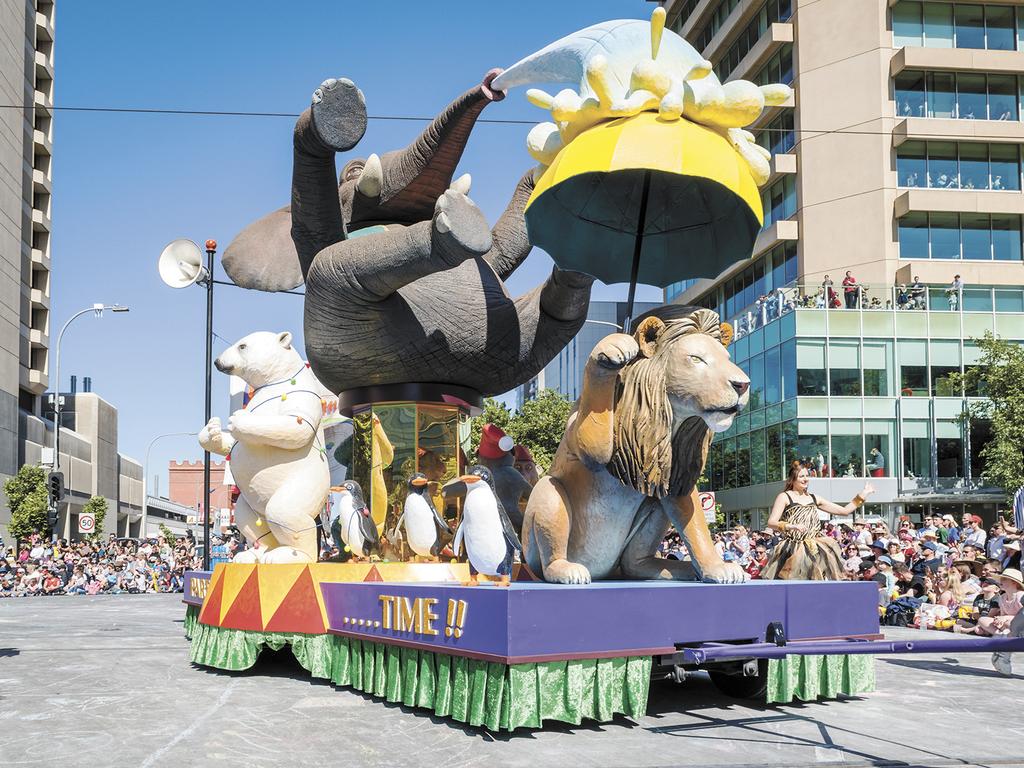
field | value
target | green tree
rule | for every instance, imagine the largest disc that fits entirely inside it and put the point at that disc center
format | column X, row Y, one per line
column 540, row 425
column 97, row 506
column 27, row 499
column 166, row 532
column 495, row 412
column 999, row 377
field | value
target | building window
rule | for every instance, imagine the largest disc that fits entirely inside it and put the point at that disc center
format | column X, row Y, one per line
column 957, row 95
column 779, row 136
column 778, row 69
column 844, row 368
column 878, row 447
column 847, row 448
column 715, row 22
column 772, row 376
column 810, row 368
column 945, row 25
column 945, row 362
column 789, row 374
column 812, row 445
column 973, row 236
column 676, row 25
column 917, row 450
column 758, row 460
column 773, row 448
column 947, row 165
column 913, row 357
column 949, row 449
column 981, row 435
column 771, row 12
column 779, row 200
column 877, row 361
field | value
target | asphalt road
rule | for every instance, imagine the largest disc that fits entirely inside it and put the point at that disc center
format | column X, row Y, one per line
column 105, row 681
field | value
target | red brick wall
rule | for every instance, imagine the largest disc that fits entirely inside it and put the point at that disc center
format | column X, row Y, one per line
column 186, row 484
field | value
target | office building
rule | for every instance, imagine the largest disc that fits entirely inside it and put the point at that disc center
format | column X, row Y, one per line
column 565, row 372
column 898, row 158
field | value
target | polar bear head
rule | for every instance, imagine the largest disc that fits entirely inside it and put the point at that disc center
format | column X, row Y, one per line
column 261, row 358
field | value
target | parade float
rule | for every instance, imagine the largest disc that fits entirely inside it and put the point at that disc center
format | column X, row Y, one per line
column 646, row 175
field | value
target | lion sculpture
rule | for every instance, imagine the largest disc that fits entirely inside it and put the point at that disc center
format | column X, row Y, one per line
column 633, row 450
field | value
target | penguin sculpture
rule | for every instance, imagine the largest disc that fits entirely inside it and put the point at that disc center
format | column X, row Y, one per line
column 351, row 521
column 423, row 525
column 491, row 541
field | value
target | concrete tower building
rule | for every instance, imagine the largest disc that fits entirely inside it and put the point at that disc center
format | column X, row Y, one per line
column 899, row 159
column 26, row 135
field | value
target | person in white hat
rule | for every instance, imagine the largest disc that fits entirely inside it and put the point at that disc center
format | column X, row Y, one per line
column 1007, row 619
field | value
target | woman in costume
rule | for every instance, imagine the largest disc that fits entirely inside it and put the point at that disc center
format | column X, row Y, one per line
column 803, row 552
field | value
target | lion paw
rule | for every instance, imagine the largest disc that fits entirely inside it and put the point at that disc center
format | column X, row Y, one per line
column 723, row 573
column 564, row 572
column 614, row 351
column 248, row 556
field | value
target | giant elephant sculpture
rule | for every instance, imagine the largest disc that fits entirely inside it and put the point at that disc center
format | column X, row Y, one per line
column 403, row 275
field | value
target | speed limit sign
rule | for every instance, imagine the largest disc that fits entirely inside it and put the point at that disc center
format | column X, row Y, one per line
column 86, row 522
column 707, row 504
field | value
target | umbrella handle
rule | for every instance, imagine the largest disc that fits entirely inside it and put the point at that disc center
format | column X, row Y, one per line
column 637, row 247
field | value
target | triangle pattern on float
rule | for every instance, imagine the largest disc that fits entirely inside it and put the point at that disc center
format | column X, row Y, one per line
column 234, row 578
column 373, row 574
column 210, row 614
column 244, row 612
column 300, row 610
column 276, row 582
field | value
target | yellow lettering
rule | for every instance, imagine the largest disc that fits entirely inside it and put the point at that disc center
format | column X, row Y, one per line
column 429, row 617
column 406, row 620
column 386, row 609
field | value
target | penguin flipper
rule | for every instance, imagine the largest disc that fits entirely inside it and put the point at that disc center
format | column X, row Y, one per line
column 509, row 531
column 371, row 537
column 457, row 542
column 442, row 524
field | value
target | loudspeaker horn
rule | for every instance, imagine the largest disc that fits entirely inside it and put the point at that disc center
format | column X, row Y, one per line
column 181, row 264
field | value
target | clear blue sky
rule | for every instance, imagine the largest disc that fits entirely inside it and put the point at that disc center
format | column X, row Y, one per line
column 125, row 185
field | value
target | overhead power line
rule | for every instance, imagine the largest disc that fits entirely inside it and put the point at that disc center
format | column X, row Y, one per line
column 810, row 132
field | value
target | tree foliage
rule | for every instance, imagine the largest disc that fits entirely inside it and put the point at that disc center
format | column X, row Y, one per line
column 97, row 506
column 166, row 532
column 27, row 499
column 539, row 424
column 999, row 377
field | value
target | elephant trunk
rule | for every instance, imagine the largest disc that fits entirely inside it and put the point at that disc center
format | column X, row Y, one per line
column 511, row 241
column 414, row 177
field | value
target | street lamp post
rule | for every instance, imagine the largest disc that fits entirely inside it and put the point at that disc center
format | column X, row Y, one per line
column 145, row 475
column 97, row 309
column 181, row 265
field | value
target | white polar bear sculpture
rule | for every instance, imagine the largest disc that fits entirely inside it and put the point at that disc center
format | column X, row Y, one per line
column 276, row 449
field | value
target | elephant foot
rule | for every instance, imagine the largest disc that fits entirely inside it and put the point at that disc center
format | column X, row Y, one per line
column 460, row 230
column 564, row 572
column 286, row 555
column 339, row 113
column 566, row 295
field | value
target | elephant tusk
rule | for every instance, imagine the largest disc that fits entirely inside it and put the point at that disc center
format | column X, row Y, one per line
column 371, row 180
column 462, row 184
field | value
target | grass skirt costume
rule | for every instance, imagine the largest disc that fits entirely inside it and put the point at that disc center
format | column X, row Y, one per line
column 804, row 554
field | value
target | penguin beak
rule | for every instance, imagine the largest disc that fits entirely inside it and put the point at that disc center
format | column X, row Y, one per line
column 470, row 478
column 419, row 482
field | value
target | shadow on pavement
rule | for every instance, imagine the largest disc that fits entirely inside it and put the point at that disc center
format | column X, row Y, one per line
column 947, row 666
column 7, row 652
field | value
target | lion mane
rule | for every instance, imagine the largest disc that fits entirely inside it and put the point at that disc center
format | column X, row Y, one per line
column 646, row 456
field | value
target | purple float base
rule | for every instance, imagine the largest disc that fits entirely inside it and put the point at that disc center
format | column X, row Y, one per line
column 530, row 622
column 196, row 583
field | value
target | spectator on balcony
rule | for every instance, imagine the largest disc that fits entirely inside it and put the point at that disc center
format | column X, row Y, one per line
column 903, row 297
column 850, row 290
column 876, row 464
column 954, row 292
column 917, row 293
column 831, row 300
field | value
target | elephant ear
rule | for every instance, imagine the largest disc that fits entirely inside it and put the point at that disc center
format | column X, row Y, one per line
column 262, row 256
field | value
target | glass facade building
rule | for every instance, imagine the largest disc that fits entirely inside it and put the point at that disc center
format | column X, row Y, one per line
column 900, row 163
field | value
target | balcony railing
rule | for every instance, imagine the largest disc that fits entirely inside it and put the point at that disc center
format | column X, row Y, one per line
column 914, row 297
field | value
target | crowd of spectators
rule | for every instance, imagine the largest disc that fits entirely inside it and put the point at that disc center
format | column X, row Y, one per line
column 112, row 566
column 938, row 574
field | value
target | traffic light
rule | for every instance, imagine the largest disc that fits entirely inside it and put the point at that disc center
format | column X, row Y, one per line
column 51, row 517
column 55, row 486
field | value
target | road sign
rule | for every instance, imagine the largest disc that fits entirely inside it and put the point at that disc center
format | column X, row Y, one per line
column 86, row 522
column 707, row 503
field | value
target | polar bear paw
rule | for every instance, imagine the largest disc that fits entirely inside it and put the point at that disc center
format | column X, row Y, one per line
column 286, row 555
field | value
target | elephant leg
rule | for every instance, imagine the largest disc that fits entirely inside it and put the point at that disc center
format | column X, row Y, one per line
column 638, row 560
column 378, row 265
column 334, row 123
column 511, row 242
column 565, row 296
